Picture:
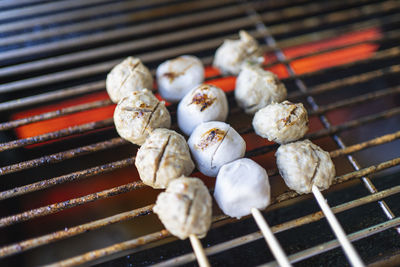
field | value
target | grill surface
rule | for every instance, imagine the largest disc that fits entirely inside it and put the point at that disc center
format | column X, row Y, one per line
column 70, row 194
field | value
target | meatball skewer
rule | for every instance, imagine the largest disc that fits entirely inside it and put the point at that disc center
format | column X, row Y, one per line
column 185, row 210
column 242, row 188
column 307, row 168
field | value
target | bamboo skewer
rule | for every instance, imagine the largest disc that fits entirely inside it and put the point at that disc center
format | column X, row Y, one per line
column 270, row 238
column 199, row 251
column 348, row 248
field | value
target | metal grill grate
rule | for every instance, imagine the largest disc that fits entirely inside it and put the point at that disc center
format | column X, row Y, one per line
column 339, row 58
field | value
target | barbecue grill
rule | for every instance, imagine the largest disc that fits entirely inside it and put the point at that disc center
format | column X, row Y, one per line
column 70, row 193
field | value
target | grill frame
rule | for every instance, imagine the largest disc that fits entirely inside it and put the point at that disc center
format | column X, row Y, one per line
column 260, row 31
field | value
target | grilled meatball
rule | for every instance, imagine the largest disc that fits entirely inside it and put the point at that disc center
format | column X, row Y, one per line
column 177, row 76
column 282, row 123
column 138, row 114
column 201, row 104
column 303, row 164
column 185, row 207
column 242, row 185
column 128, row 76
column 214, row 144
column 257, row 88
column 233, row 54
column 164, row 156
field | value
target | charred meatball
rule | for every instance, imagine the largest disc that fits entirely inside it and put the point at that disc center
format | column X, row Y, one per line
column 138, row 114
column 214, row 144
column 128, row 76
column 233, row 54
column 303, row 164
column 257, row 88
column 164, row 156
column 203, row 103
column 281, row 122
column 177, row 76
column 242, row 185
column 185, row 207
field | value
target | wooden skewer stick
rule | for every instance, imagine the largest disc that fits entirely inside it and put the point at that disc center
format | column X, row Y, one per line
column 199, row 251
column 270, row 238
column 348, row 248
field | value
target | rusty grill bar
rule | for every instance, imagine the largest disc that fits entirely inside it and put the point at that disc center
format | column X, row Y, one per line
column 35, row 74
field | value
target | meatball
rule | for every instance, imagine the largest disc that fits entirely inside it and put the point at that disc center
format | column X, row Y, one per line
column 281, row 122
column 242, row 185
column 128, row 76
column 185, row 207
column 203, row 103
column 138, row 114
column 257, row 88
column 214, row 144
column 233, row 54
column 177, row 76
column 303, row 164
column 164, row 156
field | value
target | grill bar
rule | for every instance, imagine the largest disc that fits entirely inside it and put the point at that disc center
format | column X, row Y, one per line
column 60, row 156
column 146, row 57
column 54, row 114
column 134, row 243
column 389, row 36
column 75, row 176
column 354, row 123
column 348, row 81
column 83, row 14
column 314, row 217
column 129, row 161
column 57, row 134
column 225, row 11
column 57, row 157
column 53, row 208
column 57, row 207
column 73, row 231
column 113, row 249
column 334, row 243
column 355, row 100
column 47, row 7
column 91, row 126
column 312, row 91
column 267, row 18
column 96, row 86
column 53, row 95
column 13, row 4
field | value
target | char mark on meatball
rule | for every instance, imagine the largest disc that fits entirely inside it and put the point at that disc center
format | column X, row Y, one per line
column 288, row 120
column 138, row 112
column 210, row 137
column 172, row 75
column 202, row 100
column 160, row 158
column 151, row 116
column 190, row 204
